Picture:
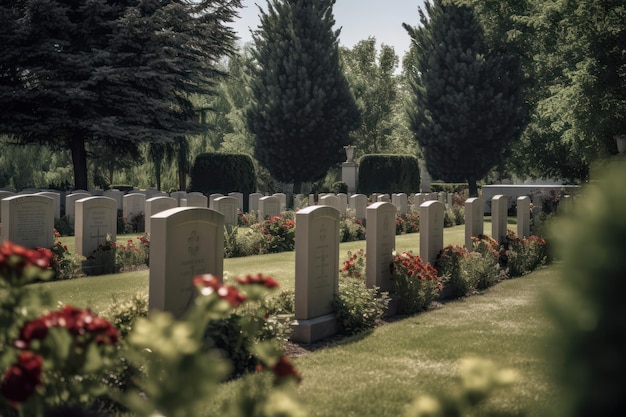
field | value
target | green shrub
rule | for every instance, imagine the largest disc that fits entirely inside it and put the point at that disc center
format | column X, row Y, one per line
column 448, row 187
column 64, row 227
column 223, row 173
column 411, row 222
column 416, row 283
column 588, row 311
column 123, row 314
column 351, row 229
column 279, row 233
column 65, row 264
column 358, row 308
column 388, row 174
column 339, row 187
column 455, row 283
column 481, row 271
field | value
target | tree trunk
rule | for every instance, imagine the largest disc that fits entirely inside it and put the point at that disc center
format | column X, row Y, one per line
column 79, row 160
column 473, row 188
column 182, row 179
column 157, row 173
column 297, row 187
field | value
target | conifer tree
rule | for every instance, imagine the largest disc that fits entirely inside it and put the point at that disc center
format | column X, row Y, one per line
column 467, row 103
column 107, row 74
column 302, row 110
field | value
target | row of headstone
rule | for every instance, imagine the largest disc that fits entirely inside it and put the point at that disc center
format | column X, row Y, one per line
column 187, row 241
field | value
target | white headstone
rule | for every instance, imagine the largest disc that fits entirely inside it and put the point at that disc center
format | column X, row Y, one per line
column 523, row 217
column 253, row 201
column 228, row 207
column 283, row 200
column 239, row 197
column 179, row 195
column 212, row 198
column 499, row 209
column 70, row 204
column 450, row 199
column 401, row 201
column 28, row 220
column 380, row 243
column 194, row 200
column 5, row 194
column 96, row 217
column 134, row 204
column 358, row 203
column 474, row 220
column 330, row 200
column 116, row 195
column 343, row 202
column 317, row 262
column 184, row 242
column 57, row 201
column 431, row 230
column 156, row 205
column 311, row 199
column 383, row 198
column 268, row 207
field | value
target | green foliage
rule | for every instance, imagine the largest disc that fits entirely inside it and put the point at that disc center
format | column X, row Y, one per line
column 358, row 308
column 65, row 264
column 351, row 229
column 302, row 109
column 467, row 104
column 223, row 173
column 456, row 284
column 134, row 79
column 481, row 270
column 388, row 174
column 279, row 233
column 416, row 283
column 339, row 187
column 375, row 88
column 523, row 255
column 588, row 311
column 410, row 222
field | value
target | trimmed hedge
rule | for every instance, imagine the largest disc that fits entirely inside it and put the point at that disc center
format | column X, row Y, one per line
column 388, row 174
column 448, row 187
column 223, row 173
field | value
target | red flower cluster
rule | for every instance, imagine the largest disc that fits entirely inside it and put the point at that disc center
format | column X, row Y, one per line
column 17, row 258
column 353, row 266
column 209, row 284
column 22, row 378
column 413, row 266
column 78, row 322
column 258, row 279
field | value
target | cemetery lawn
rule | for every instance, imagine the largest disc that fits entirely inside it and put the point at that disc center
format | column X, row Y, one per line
column 377, row 374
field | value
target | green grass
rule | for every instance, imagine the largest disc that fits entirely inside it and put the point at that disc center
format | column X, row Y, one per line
column 379, row 373
column 99, row 292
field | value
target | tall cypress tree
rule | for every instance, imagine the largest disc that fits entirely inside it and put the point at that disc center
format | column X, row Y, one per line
column 107, row 74
column 302, row 109
column 467, row 104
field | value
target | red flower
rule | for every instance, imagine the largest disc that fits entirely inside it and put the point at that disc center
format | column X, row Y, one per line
column 212, row 284
column 259, row 279
column 22, row 379
column 285, row 369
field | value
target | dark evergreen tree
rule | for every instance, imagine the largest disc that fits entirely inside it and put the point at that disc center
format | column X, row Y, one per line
column 467, row 104
column 78, row 74
column 302, row 109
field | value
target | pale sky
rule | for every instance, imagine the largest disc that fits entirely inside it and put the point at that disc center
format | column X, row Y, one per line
column 359, row 19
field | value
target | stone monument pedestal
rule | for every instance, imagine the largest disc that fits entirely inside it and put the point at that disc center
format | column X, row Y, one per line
column 311, row 330
column 349, row 175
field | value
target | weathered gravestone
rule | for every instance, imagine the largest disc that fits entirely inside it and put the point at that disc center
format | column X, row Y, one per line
column 474, row 220
column 228, row 207
column 134, row 206
column 212, row 198
column 317, row 260
column 96, row 217
column 380, row 243
column 282, row 197
column 330, row 200
column 239, row 197
column 523, row 217
column 28, row 220
column 418, row 199
column 268, row 207
column 499, row 209
column 383, row 198
column 401, row 201
column 180, row 195
column 358, row 203
column 4, row 194
column 185, row 242
column 253, row 201
column 343, row 202
column 194, row 200
column 431, row 230
column 156, row 205
column 70, row 205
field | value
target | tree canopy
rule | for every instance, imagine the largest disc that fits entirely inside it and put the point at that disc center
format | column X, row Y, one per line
column 302, row 109
column 107, row 74
column 467, row 104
